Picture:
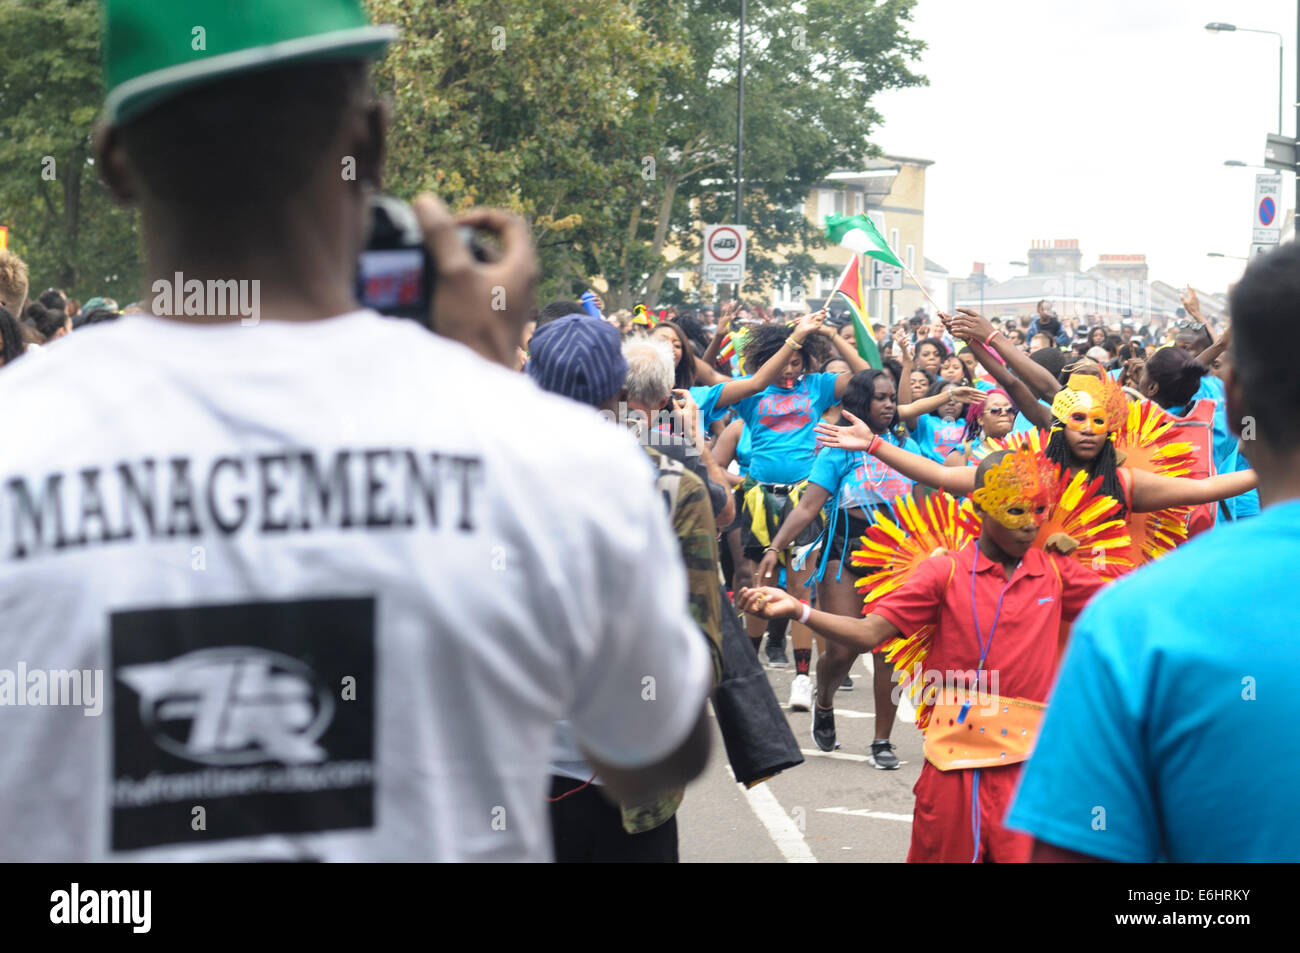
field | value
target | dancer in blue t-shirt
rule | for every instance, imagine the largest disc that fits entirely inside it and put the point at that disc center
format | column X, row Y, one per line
column 780, row 423
column 849, row 485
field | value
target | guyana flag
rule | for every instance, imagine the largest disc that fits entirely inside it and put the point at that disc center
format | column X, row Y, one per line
column 850, row 289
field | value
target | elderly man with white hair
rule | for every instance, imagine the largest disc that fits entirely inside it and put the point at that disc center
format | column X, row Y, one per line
column 650, row 402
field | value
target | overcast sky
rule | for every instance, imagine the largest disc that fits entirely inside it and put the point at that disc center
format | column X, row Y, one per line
column 1107, row 121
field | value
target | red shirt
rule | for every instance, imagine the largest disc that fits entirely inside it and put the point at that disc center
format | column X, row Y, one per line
column 1023, row 647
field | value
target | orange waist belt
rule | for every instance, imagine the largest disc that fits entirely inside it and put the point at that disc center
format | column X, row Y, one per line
column 990, row 731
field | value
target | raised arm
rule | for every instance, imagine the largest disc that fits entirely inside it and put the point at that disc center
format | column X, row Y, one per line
column 719, row 333
column 975, row 327
column 1211, row 354
column 735, row 391
column 1152, row 492
column 915, row 467
column 906, row 352
column 927, row 405
column 860, row 634
column 1021, row 396
column 847, row 353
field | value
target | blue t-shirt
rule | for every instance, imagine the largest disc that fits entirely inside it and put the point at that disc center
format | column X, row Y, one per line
column 781, row 425
column 707, row 399
column 1227, row 456
column 744, row 450
column 854, row 478
column 1169, row 735
column 938, row 437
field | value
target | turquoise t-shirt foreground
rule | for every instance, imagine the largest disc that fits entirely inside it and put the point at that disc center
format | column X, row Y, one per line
column 1171, row 733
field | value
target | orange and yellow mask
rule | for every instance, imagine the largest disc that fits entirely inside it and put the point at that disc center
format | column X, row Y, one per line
column 1014, row 490
column 1090, row 404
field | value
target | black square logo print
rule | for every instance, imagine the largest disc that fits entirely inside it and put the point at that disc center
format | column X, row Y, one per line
column 242, row 720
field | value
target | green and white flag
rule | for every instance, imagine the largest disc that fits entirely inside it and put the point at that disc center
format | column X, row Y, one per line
column 859, row 233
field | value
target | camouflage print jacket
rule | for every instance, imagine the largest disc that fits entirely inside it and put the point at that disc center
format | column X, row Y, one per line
column 687, row 500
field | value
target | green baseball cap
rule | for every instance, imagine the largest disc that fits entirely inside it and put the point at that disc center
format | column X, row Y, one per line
column 155, row 51
column 94, row 303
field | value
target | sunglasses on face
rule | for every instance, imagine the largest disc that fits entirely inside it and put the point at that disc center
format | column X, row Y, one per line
column 1000, row 411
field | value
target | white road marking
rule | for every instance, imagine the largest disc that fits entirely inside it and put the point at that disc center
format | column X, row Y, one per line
column 850, row 713
column 879, row 815
column 780, row 826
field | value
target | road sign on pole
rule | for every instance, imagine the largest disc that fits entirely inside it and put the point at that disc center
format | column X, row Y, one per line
column 1266, row 224
column 885, row 276
column 1279, row 153
column 724, row 253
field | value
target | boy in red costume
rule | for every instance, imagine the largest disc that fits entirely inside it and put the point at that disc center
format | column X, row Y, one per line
column 997, row 605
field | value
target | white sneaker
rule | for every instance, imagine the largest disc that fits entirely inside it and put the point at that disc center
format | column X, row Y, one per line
column 801, row 693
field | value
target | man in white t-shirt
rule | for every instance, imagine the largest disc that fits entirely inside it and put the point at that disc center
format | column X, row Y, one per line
column 318, row 584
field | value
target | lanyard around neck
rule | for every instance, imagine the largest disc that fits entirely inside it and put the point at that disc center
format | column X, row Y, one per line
column 985, row 646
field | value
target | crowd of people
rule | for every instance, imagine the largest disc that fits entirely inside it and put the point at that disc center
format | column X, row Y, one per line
column 28, row 324
column 366, row 592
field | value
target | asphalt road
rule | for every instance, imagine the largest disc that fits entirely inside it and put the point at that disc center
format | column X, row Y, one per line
column 832, row 808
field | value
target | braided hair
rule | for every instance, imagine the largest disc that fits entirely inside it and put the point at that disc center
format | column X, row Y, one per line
column 1105, row 465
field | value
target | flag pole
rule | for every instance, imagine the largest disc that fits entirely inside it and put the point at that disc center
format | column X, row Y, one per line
column 920, row 287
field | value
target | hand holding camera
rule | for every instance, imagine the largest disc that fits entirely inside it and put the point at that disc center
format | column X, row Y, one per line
column 482, row 304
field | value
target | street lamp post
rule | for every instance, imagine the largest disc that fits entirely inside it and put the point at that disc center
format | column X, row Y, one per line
column 740, row 112
column 1230, row 28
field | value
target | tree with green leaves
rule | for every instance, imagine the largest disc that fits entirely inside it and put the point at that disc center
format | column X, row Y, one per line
column 612, row 123
column 526, row 105
column 61, row 220
column 811, row 70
